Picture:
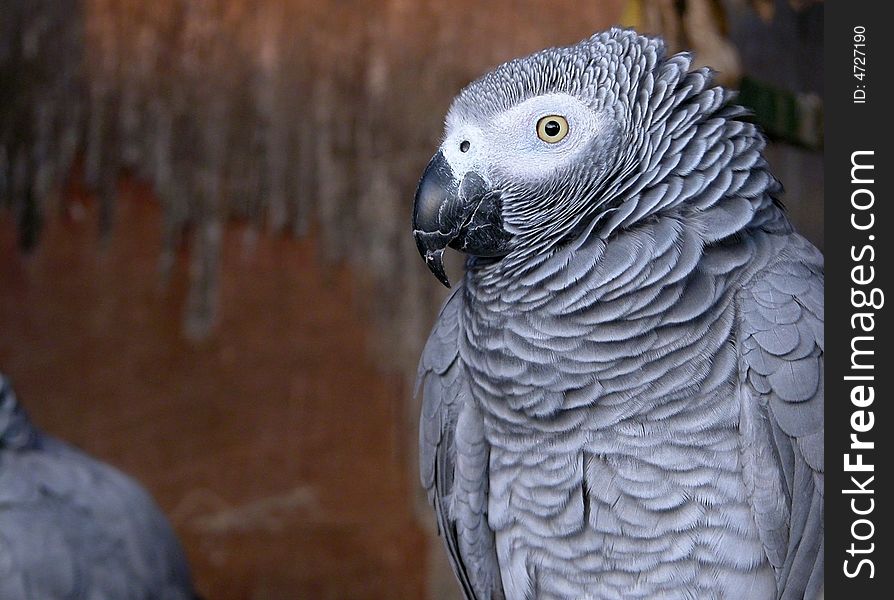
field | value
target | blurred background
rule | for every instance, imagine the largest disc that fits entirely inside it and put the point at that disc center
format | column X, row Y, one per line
column 207, row 274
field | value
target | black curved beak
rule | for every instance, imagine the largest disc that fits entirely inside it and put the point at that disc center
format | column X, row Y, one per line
column 461, row 213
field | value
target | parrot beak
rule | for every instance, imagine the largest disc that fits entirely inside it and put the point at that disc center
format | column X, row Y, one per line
column 463, row 214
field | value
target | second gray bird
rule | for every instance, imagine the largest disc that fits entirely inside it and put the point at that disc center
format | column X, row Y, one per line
column 624, row 397
column 72, row 528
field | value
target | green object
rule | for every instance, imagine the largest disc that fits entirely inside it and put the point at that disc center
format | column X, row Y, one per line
column 784, row 115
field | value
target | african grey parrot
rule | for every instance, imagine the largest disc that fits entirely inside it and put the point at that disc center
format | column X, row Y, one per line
column 72, row 528
column 624, row 398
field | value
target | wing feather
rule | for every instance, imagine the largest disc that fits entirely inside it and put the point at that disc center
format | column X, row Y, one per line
column 781, row 424
column 454, row 458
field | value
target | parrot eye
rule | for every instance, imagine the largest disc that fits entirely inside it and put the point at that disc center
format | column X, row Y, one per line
column 552, row 128
column 464, row 146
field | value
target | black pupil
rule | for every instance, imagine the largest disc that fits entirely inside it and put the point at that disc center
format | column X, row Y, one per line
column 552, row 128
column 464, row 146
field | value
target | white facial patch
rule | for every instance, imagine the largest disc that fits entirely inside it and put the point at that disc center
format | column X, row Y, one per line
column 465, row 148
column 508, row 146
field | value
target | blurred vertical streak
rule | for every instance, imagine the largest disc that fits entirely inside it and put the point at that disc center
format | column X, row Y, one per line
column 41, row 49
column 273, row 120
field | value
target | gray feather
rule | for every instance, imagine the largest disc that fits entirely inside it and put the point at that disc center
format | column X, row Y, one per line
column 793, row 407
column 453, row 460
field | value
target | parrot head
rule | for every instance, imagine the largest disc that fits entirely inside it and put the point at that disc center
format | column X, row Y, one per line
column 532, row 150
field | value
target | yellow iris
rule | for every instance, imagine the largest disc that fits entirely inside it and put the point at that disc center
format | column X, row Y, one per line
column 552, row 128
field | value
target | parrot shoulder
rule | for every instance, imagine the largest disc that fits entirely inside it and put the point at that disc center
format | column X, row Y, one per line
column 781, row 427
column 453, row 457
